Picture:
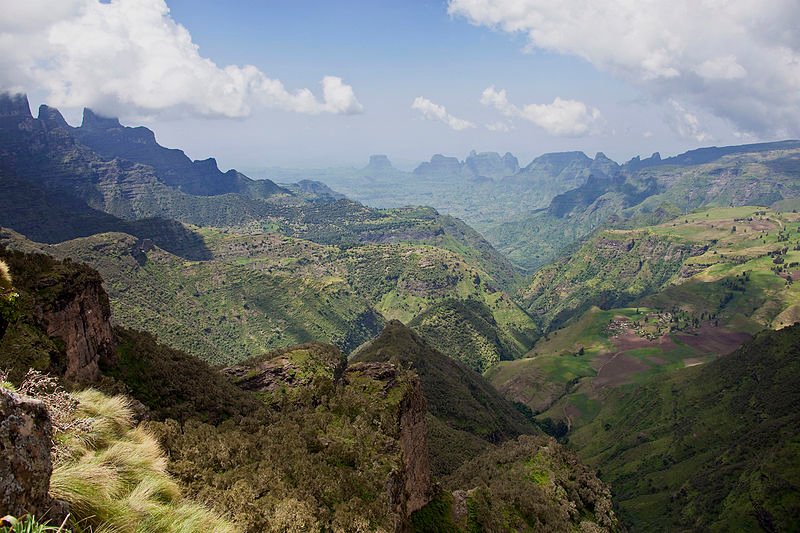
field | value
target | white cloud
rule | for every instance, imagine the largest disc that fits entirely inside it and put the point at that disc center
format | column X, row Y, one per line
column 738, row 59
column 686, row 124
column 130, row 57
column 569, row 118
column 439, row 113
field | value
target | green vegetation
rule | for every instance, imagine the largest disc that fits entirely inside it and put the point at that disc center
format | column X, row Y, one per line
column 694, row 264
column 264, row 291
column 461, row 400
column 317, row 459
column 701, row 291
column 478, row 340
column 25, row 524
column 114, row 476
column 712, row 447
column 111, row 473
column 528, row 484
column 8, row 297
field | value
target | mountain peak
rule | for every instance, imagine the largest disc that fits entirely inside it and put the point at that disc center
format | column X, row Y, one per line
column 92, row 120
column 379, row 162
column 15, row 105
column 52, row 117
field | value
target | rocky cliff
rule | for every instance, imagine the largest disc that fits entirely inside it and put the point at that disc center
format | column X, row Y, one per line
column 65, row 324
column 316, row 378
column 409, row 487
column 81, row 319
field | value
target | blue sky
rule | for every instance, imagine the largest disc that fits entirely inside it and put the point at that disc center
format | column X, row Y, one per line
column 485, row 75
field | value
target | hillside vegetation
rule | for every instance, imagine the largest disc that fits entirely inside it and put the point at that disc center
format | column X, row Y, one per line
column 700, row 292
column 465, row 405
column 709, row 448
column 260, row 292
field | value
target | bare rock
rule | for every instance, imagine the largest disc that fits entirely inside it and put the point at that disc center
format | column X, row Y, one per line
column 81, row 319
column 26, row 435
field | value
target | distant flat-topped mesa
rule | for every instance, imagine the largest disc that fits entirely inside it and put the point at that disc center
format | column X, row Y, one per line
column 484, row 165
column 380, row 164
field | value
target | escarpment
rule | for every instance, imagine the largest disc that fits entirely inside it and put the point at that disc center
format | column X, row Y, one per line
column 65, row 318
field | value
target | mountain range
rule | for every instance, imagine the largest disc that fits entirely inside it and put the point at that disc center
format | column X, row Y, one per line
column 294, row 358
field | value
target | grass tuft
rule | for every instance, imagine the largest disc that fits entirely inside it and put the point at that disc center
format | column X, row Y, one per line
column 114, row 476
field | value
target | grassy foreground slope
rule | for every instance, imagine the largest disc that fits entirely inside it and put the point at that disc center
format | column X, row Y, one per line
column 713, row 447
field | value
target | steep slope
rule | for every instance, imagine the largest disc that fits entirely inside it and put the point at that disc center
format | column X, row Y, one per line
column 708, row 448
column 529, row 484
column 692, row 263
column 611, row 269
column 361, row 457
column 459, row 398
column 108, row 138
column 256, row 294
column 103, row 168
column 61, row 319
column 539, row 236
column 467, row 331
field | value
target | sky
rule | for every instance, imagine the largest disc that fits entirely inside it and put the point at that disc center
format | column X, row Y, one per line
column 299, row 83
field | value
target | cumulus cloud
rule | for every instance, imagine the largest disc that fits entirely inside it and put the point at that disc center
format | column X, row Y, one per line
column 686, row 124
column 738, row 59
column 569, row 118
column 431, row 111
column 130, row 56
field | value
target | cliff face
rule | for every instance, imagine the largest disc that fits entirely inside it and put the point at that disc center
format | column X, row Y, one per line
column 65, row 324
column 378, row 407
column 410, row 486
column 82, row 321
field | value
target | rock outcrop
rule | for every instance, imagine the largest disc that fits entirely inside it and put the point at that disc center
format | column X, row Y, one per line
column 290, row 368
column 317, row 377
column 81, row 319
column 410, row 487
column 64, row 306
column 26, row 436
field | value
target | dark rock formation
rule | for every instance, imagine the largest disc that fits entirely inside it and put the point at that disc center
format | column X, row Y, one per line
column 82, row 320
column 14, row 105
column 26, row 435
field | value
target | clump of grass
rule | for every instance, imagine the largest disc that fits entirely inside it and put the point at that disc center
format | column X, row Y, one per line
column 25, row 524
column 114, row 475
